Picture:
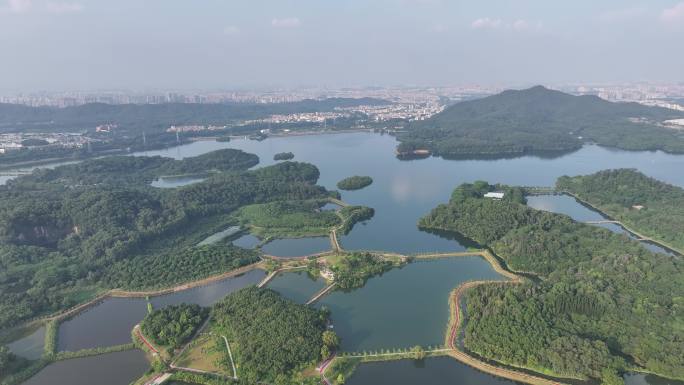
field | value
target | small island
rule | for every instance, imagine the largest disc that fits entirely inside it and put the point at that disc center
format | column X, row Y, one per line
column 354, row 183
column 283, row 156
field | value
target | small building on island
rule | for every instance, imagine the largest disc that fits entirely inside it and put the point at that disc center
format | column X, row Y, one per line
column 498, row 195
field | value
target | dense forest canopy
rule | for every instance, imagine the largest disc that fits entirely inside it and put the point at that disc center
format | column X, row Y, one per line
column 353, row 270
column 62, row 240
column 272, row 338
column 355, row 182
column 605, row 304
column 539, row 120
column 141, row 169
column 174, row 325
column 653, row 208
column 283, row 156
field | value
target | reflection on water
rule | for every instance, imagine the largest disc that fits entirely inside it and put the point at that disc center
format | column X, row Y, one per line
column 431, row 371
column 219, row 236
column 404, row 307
column 296, row 247
column 649, row 379
column 120, row 368
column 564, row 204
column 247, row 241
column 110, row 322
column 297, row 286
column 30, row 346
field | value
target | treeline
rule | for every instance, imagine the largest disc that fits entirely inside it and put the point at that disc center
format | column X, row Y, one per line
column 178, row 265
column 283, row 156
column 605, row 303
column 353, row 270
column 540, row 121
column 174, row 325
column 647, row 205
column 353, row 215
column 59, row 242
column 273, row 339
column 141, row 169
column 355, row 182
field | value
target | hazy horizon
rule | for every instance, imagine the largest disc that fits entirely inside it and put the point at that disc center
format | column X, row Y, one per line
column 87, row 45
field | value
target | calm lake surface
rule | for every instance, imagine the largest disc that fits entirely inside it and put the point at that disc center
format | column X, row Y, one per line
column 120, row 368
column 110, row 323
column 297, row 286
column 404, row 307
column 297, row 247
column 432, row 371
column 30, row 346
column 247, row 241
column 649, row 379
column 403, row 191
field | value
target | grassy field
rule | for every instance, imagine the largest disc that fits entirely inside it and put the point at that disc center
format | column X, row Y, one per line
column 203, row 354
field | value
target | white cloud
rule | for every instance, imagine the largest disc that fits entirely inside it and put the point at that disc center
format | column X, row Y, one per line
column 521, row 25
column 17, row 6
column 620, row 15
column 53, row 7
column 517, row 25
column 288, row 22
column 674, row 15
column 486, row 23
column 231, row 30
column 439, row 28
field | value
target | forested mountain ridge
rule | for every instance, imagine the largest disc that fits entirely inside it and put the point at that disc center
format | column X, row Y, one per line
column 606, row 304
column 539, row 120
column 154, row 117
column 62, row 241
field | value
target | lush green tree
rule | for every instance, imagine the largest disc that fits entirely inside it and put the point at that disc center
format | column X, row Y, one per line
column 599, row 292
column 174, row 325
column 355, row 182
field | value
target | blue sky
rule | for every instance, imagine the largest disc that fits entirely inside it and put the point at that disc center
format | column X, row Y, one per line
column 203, row 44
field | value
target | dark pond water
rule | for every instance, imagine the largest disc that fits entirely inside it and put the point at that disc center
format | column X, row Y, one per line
column 432, row 371
column 219, row 236
column 297, row 286
column 175, row 181
column 120, row 368
column 110, row 322
column 404, row 307
column 297, row 247
column 564, row 204
column 30, row 346
column 247, row 241
column 649, row 379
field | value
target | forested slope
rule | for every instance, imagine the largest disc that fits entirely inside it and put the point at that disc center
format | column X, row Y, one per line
column 649, row 206
column 69, row 233
column 605, row 303
column 539, row 120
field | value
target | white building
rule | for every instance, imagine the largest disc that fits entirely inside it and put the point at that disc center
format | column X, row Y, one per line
column 494, row 195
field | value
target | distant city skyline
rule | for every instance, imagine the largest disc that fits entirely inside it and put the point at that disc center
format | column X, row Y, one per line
column 62, row 45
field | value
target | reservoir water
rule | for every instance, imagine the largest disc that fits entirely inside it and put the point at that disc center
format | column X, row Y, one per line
column 120, row 368
column 297, row 247
column 29, row 346
column 432, row 371
column 297, row 286
column 564, row 204
column 110, row 322
column 403, row 307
